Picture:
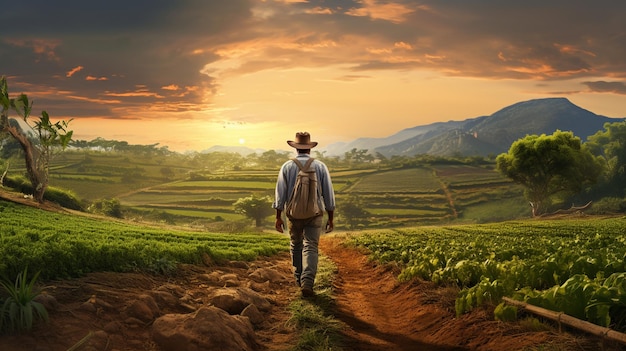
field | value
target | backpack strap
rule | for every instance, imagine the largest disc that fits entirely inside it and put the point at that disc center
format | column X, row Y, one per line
column 306, row 166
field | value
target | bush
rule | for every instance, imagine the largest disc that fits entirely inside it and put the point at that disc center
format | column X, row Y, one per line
column 62, row 197
column 608, row 205
column 107, row 207
column 65, row 198
column 18, row 183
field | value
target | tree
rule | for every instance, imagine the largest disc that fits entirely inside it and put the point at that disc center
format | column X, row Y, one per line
column 353, row 213
column 357, row 156
column 611, row 144
column 558, row 164
column 49, row 137
column 257, row 208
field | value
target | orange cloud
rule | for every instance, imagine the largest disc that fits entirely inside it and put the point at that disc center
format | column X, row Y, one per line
column 385, row 11
column 96, row 78
column 172, row 87
column 135, row 94
column 319, row 11
column 73, row 71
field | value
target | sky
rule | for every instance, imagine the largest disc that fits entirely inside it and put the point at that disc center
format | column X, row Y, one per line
column 191, row 74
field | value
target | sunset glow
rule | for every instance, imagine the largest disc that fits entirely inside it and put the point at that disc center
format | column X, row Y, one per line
column 193, row 75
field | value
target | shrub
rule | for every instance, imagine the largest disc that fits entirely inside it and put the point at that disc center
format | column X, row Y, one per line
column 65, row 198
column 18, row 183
column 107, row 207
column 608, row 205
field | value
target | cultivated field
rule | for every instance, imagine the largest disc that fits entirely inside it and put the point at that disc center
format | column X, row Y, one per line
column 575, row 265
column 425, row 219
column 183, row 191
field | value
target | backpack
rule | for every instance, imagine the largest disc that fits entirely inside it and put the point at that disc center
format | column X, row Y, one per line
column 304, row 200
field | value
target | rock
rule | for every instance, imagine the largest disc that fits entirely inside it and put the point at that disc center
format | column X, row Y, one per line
column 151, row 303
column 88, row 306
column 209, row 328
column 165, row 299
column 229, row 280
column 113, row 327
column 264, row 274
column 48, row 301
column 239, row 264
column 234, row 300
column 141, row 310
column 134, row 322
column 260, row 287
column 173, row 289
column 213, row 277
column 253, row 313
column 97, row 341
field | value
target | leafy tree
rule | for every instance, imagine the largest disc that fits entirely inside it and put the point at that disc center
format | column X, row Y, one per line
column 254, row 207
column 357, row 156
column 549, row 165
column 353, row 213
column 49, row 136
column 271, row 158
column 611, row 144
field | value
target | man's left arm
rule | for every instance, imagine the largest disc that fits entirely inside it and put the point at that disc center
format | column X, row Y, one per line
column 328, row 194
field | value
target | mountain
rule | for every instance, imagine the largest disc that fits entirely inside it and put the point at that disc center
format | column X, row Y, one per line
column 482, row 136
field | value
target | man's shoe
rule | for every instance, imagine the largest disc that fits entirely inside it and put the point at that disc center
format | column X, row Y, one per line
column 307, row 292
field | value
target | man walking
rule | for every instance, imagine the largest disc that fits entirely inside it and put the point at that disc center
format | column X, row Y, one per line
column 304, row 232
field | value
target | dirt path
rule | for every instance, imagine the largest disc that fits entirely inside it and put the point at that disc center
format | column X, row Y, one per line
column 379, row 313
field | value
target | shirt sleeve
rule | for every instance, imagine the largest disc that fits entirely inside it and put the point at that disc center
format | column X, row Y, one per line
column 328, row 193
column 281, row 191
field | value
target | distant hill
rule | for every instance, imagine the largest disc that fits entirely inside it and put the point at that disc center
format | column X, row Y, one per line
column 242, row 150
column 482, row 136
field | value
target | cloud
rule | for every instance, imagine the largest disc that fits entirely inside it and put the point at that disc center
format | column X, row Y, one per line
column 94, row 55
column 607, row 87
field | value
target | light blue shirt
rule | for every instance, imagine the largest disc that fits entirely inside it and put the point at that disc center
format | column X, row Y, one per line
column 287, row 180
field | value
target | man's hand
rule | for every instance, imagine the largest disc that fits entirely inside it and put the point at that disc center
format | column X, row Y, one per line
column 280, row 225
column 330, row 226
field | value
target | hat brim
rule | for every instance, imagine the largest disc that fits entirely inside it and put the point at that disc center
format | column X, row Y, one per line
column 295, row 145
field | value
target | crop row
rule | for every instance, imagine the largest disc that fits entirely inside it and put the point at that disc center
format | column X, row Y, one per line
column 528, row 260
column 61, row 245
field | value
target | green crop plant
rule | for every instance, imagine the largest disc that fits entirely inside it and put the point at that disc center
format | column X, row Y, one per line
column 505, row 313
column 19, row 310
column 573, row 266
